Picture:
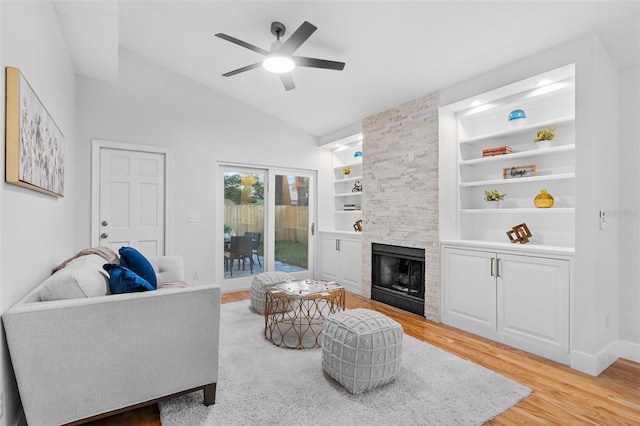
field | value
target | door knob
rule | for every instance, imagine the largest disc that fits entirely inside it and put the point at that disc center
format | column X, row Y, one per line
column 104, row 235
column 104, row 223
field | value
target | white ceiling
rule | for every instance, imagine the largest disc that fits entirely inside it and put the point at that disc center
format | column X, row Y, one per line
column 395, row 51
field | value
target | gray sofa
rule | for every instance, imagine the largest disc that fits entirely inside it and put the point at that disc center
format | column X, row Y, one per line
column 89, row 357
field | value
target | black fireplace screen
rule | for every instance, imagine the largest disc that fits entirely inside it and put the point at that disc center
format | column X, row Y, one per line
column 398, row 276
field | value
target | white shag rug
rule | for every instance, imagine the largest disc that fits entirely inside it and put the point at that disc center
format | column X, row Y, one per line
column 262, row 384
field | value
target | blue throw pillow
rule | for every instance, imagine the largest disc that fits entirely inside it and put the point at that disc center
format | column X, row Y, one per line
column 123, row 280
column 134, row 260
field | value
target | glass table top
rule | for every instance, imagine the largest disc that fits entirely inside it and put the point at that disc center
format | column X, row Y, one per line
column 305, row 287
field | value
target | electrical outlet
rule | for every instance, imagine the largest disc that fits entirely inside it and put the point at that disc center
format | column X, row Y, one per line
column 193, row 218
column 195, row 275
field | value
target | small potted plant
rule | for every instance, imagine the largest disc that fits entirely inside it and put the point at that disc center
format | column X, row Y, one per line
column 346, row 171
column 544, row 137
column 493, row 198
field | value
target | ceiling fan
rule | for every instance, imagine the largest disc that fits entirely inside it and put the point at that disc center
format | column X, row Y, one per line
column 280, row 58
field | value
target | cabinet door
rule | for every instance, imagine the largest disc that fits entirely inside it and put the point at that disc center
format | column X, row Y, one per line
column 329, row 265
column 351, row 264
column 533, row 301
column 469, row 289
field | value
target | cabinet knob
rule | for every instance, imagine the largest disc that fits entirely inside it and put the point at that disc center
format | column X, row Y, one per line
column 104, row 235
column 104, row 223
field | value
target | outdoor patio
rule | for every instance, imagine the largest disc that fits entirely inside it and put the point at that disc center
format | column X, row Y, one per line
column 257, row 268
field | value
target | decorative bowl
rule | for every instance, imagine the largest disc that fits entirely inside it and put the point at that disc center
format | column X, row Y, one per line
column 517, row 114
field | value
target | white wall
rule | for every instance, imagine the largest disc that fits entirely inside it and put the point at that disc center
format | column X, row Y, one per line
column 36, row 229
column 629, row 213
column 151, row 105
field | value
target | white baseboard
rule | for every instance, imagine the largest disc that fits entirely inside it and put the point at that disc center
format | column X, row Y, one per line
column 355, row 289
column 629, row 350
column 596, row 364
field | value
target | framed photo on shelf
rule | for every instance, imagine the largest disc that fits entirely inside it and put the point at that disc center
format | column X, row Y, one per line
column 34, row 143
column 517, row 172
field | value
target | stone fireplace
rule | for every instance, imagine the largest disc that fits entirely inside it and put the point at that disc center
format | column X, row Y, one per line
column 400, row 196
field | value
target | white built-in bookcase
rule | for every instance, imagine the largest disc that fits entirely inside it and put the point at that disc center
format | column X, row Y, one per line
column 484, row 126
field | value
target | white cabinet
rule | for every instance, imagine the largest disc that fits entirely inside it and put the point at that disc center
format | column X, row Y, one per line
column 520, row 300
column 341, row 259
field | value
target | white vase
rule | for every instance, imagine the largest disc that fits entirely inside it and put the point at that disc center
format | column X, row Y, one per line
column 492, row 204
column 543, row 144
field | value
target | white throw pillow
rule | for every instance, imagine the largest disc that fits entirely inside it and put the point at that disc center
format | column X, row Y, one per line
column 80, row 278
column 168, row 268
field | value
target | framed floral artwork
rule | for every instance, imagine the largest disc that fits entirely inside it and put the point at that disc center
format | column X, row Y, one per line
column 34, row 143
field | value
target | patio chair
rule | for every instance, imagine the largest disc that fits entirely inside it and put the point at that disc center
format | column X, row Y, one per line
column 255, row 240
column 240, row 249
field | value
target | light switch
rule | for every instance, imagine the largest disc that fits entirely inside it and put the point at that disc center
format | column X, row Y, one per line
column 603, row 220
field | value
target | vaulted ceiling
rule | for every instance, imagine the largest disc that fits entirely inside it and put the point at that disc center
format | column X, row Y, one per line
column 395, row 51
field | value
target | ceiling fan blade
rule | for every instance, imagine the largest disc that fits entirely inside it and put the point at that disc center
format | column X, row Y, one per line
column 318, row 63
column 296, row 39
column 243, row 44
column 243, row 69
column 287, row 80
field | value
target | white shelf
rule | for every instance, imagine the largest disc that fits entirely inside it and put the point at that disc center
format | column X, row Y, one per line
column 517, row 155
column 348, row 211
column 526, row 210
column 352, row 163
column 518, row 181
column 348, row 194
column 349, row 179
column 517, row 130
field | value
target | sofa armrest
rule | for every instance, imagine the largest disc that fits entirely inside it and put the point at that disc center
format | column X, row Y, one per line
column 79, row 358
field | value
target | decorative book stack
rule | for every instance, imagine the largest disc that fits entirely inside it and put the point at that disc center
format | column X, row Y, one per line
column 351, row 207
column 500, row 150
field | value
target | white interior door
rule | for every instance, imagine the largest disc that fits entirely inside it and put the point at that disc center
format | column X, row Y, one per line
column 131, row 199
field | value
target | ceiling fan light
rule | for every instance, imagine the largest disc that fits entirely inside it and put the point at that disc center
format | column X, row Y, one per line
column 278, row 64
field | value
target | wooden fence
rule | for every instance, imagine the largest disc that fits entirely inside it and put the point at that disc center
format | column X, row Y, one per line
column 292, row 222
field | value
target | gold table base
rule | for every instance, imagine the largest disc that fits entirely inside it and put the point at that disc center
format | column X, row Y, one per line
column 295, row 322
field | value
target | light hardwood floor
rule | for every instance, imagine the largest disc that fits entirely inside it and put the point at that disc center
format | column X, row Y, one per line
column 560, row 395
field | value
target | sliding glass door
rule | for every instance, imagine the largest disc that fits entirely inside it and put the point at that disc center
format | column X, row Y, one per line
column 269, row 221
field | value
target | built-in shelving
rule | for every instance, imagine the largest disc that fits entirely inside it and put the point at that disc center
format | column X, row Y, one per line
column 347, row 200
column 482, row 127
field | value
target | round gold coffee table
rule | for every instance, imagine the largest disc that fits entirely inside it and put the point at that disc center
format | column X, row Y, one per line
column 294, row 312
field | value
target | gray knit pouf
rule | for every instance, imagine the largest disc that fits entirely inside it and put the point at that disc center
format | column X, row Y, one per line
column 361, row 349
column 263, row 280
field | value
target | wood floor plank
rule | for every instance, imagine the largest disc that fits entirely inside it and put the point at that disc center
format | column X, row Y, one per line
column 560, row 395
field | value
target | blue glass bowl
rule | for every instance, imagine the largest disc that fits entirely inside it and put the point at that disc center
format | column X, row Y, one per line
column 516, row 114
column 357, row 154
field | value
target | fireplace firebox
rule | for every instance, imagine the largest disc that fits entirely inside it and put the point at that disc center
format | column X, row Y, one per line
column 397, row 276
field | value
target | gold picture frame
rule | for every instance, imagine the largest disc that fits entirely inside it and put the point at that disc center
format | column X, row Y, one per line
column 34, row 143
